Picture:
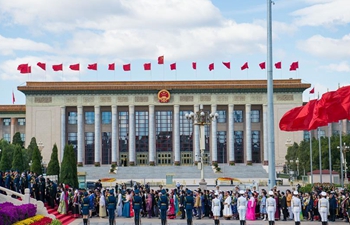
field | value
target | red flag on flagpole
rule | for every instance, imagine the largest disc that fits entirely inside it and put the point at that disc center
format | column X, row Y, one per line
column 227, row 64
column 161, row 59
column 173, row 66
column 58, row 67
column 278, row 65
column 20, row 66
column 312, row 91
column 42, row 65
column 24, row 68
column 127, row 67
column 147, row 66
column 13, row 98
column 92, row 66
column 75, row 67
column 262, row 65
column 294, row 66
column 194, row 65
column 245, row 66
column 111, row 66
column 211, row 66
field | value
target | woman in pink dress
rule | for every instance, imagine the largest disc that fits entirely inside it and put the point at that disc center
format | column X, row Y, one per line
column 171, row 212
column 131, row 200
column 251, row 208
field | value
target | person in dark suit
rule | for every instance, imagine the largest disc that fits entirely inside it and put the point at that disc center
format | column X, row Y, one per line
column 163, row 205
column 112, row 204
column 284, row 206
column 189, row 206
column 182, row 204
column 137, row 204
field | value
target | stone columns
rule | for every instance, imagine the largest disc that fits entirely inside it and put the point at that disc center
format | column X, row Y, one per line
column 151, row 136
column 63, row 131
column 131, row 135
column 12, row 131
column 231, row 134
column 248, row 136
column 196, row 138
column 115, row 136
column 213, row 141
column 97, row 135
column 177, row 135
column 266, row 149
column 80, row 141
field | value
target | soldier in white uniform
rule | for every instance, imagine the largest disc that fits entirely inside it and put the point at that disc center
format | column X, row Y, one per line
column 323, row 208
column 271, row 208
column 296, row 207
column 215, row 208
column 242, row 207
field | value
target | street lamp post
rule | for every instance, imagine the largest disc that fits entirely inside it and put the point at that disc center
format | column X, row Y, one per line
column 201, row 119
column 343, row 149
column 297, row 162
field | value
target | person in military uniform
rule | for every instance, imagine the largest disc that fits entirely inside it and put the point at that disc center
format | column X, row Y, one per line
column 296, row 207
column 85, row 208
column 163, row 205
column 216, row 209
column 189, row 203
column 137, row 204
column 271, row 208
column 111, row 206
column 323, row 208
column 242, row 207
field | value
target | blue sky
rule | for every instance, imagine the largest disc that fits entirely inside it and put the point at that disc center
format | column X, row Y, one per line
column 314, row 32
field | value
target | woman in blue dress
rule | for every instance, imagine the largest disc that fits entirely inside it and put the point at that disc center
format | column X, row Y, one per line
column 85, row 208
column 263, row 212
column 126, row 206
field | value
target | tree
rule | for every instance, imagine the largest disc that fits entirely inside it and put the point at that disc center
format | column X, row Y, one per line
column 17, row 139
column 36, row 161
column 17, row 162
column 68, row 173
column 53, row 167
column 6, row 155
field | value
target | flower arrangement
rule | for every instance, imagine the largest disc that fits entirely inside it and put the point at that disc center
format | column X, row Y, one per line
column 10, row 213
column 30, row 220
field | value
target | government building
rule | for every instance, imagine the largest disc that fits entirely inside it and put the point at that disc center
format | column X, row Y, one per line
column 140, row 123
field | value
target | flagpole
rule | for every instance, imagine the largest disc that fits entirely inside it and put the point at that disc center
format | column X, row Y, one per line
column 341, row 152
column 311, row 167
column 330, row 152
column 230, row 72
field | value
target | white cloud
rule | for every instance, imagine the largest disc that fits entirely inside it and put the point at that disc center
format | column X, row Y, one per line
column 9, row 45
column 343, row 66
column 323, row 13
column 327, row 47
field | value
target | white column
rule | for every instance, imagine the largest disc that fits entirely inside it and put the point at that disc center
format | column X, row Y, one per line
column 196, row 138
column 97, row 135
column 266, row 149
column 213, row 141
column 115, row 138
column 345, row 126
column 151, row 136
column 177, row 134
column 131, row 135
column 80, row 128
column 12, row 127
column 63, row 131
column 248, row 132
column 231, row 134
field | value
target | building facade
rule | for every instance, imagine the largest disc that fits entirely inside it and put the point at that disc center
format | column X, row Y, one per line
column 143, row 122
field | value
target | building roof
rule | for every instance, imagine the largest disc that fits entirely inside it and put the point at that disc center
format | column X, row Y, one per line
column 203, row 86
column 9, row 109
column 324, row 172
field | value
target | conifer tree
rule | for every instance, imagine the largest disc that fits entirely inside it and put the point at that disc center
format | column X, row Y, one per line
column 5, row 163
column 54, row 167
column 17, row 139
column 36, row 161
column 17, row 162
column 68, row 173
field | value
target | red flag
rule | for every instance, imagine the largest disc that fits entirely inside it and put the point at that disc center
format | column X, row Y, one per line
column 127, row 67
column 147, row 66
column 42, row 65
column 294, row 66
column 211, row 66
column 278, row 65
column 75, row 67
column 13, row 98
column 245, row 66
column 302, row 121
column 20, row 66
column 344, row 93
column 161, row 59
column 92, row 66
column 262, row 65
column 111, row 66
column 24, row 68
column 173, row 66
column 194, row 65
column 227, row 64
column 287, row 119
column 312, row 91
column 58, row 67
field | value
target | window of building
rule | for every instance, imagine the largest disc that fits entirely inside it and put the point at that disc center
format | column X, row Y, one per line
column 7, row 137
column 73, row 140
column 21, row 121
column 256, row 156
column 106, row 117
column 239, row 148
column 222, row 116
column 238, row 116
column 335, row 132
column 89, row 117
column 23, row 137
column 322, row 133
column 164, row 131
column 72, row 118
column 186, row 132
column 123, row 119
column 141, row 131
column 89, row 147
column 6, row 122
column 221, row 146
column 106, row 147
column 306, row 135
column 255, row 116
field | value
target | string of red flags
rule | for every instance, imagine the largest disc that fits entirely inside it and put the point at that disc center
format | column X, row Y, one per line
column 26, row 68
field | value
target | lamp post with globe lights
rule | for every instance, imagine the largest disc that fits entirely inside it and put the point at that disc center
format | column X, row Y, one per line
column 201, row 119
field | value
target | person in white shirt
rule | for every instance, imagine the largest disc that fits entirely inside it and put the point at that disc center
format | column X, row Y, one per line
column 215, row 208
column 242, row 207
column 227, row 206
column 296, row 207
column 323, row 208
column 271, row 208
